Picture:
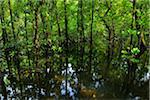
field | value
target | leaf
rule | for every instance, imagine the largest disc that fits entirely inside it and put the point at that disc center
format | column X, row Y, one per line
column 124, row 56
column 54, row 48
column 124, row 52
column 135, row 60
column 59, row 49
column 6, row 81
column 135, row 51
column 131, row 31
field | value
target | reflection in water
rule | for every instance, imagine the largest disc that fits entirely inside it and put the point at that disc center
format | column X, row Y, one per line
column 72, row 82
column 146, row 77
column 75, row 90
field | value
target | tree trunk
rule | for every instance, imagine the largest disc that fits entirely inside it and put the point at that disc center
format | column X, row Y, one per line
column 16, row 57
column 5, row 39
column 25, row 24
column 81, row 31
column 66, row 41
column 60, row 42
column 91, row 40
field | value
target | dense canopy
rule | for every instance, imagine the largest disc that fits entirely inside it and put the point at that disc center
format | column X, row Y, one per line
column 94, row 48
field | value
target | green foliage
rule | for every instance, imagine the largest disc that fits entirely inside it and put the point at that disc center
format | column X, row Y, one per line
column 131, row 56
column 40, row 40
column 135, row 60
column 135, row 51
column 6, row 80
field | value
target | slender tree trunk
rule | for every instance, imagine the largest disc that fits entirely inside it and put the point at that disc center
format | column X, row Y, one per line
column 81, row 31
column 36, row 47
column 6, row 52
column 33, row 33
column 91, row 40
column 59, row 33
column 46, row 38
column 36, row 43
column 110, row 46
column 78, row 43
column 109, row 50
column 16, row 50
column 66, row 41
column 5, row 39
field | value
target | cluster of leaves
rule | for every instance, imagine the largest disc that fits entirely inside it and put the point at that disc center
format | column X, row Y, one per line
column 131, row 55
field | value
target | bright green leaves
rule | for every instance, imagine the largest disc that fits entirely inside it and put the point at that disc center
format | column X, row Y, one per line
column 135, row 51
column 131, row 55
column 124, row 52
column 55, row 48
column 135, row 60
column 12, row 53
column 6, row 80
column 131, row 31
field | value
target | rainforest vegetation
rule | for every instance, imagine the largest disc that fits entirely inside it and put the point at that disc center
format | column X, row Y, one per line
column 74, row 49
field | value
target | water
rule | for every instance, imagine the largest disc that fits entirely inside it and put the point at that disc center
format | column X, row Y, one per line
column 98, row 88
column 72, row 80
